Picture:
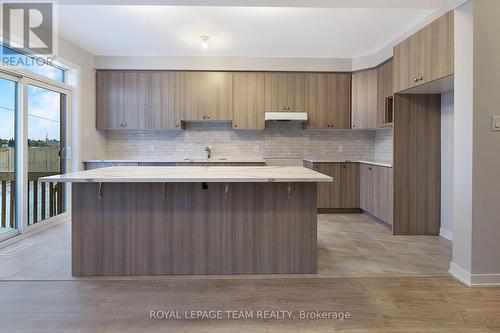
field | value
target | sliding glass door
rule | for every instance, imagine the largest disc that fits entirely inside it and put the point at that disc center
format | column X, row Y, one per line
column 8, row 110
column 46, row 152
column 33, row 131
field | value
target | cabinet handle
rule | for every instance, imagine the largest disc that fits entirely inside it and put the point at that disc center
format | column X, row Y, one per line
column 369, row 168
column 235, row 125
column 208, row 116
column 415, row 80
column 421, row 78
column 204, row 117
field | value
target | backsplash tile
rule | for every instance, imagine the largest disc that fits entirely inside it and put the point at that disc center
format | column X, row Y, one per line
column 383, row 145
column 278, row 140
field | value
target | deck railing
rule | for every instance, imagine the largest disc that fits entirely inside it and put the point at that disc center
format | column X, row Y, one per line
column 44, row 199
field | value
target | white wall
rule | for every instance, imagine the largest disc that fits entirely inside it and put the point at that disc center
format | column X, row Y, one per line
column 486, row 144
column 476, row 208
column 462, row 138
column 447, row 165
column 220, row 63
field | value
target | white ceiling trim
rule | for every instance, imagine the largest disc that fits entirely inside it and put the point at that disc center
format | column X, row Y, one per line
column 224, row 63
column 408, row 4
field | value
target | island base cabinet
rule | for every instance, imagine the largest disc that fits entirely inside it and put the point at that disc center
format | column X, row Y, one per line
column 192, row 228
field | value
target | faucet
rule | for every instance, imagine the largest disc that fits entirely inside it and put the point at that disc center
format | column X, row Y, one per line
column 208, row 151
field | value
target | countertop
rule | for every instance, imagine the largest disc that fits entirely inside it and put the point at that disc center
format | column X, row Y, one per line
column 185, row 160
column 333, row 160
column 193, row 174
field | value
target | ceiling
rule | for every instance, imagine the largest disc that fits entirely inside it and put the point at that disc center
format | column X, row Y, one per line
column 114, row 30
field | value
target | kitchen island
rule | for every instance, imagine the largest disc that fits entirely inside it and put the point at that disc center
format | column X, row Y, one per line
column 193, row 220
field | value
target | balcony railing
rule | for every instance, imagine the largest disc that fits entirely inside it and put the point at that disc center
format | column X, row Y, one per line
column 44, row 199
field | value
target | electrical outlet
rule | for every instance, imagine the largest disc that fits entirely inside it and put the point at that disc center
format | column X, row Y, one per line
column 256, row 148
column 341, row 148
column 151, row 148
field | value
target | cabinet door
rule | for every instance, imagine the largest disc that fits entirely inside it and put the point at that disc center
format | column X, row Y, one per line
column 385, row 191
column 284, row 92
column 316, row 100
column 122, row 100
column 248, row 101
column 165, row 100
column 407, row 63
column 206, row 95
column 338, row 94
column 441, row 55
column 366, row 188
column 323, row 191
column 375, row 190
column 385, row 90
column 328, row 100
column 350, row 185
column 330, row 194
column 364, row 99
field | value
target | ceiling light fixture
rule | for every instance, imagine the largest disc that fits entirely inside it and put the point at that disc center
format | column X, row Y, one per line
column 204, row 41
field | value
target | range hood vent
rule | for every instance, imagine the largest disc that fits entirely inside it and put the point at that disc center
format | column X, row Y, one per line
column 286, row 116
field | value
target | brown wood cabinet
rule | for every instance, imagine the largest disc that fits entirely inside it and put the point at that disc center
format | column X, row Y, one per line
column 364, row 99
column 425, row 56
column 328, row 100
column 122, row 100
column 165, row 100
column 350, row 185
column 385, row 92
column 284, row 92
column 205, row 96
column 344, row 191
column 417, row 164
column 248, row 101
column 376, row 192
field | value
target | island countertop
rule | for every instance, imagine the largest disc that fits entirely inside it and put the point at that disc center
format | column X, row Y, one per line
column 192, row 174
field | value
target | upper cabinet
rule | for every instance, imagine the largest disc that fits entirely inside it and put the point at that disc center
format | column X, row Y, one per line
column 122, row 100
column 385, row 94
column 248, row 101
column 205, row 96
column 364, row 99
column 328, row 100
column 165, row 100
column 426, row 56
column 284, row 92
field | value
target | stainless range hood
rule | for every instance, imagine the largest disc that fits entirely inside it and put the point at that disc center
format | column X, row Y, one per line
column 286, row 116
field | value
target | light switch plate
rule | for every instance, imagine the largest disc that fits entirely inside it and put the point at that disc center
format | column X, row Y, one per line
column 495, row 123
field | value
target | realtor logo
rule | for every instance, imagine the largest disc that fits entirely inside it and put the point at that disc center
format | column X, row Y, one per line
column 28, row 27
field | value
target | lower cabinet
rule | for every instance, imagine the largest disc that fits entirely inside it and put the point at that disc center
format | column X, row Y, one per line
column 356, row 185
column 376, row 191
column 344, row 191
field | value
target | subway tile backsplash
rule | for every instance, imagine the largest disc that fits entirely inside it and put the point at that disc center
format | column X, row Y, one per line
column 383, row 145
column 278, row 140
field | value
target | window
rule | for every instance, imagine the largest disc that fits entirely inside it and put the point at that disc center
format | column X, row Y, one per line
column 39, row 66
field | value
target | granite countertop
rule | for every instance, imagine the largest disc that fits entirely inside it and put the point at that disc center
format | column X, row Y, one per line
column 185, row 160
column 337, row 160
column 193, row 174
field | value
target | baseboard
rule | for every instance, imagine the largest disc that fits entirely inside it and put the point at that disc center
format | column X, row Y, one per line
column 474, row 280
column 446, row 233
column 339, row 210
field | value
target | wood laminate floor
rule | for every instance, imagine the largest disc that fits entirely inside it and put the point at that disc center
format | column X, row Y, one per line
column 386, row 283
column 349, row 245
